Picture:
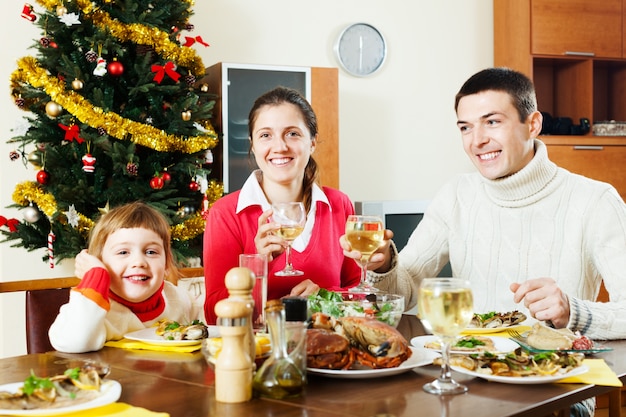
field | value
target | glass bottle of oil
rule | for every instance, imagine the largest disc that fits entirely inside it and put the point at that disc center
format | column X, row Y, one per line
column 279, row 377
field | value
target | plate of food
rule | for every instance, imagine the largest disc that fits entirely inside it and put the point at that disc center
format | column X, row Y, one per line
column 520, row 367
column 492, row 322
column 541, row 338
column 76, row 390
column 468, row 344
column 419, row 357
column 172, row 333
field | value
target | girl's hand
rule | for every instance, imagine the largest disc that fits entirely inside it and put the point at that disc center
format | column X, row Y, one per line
column 266, row 241
column 304, row 288
column 84, row 262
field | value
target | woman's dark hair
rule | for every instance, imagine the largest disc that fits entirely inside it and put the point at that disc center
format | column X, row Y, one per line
column 275, row 97
column 518, row 86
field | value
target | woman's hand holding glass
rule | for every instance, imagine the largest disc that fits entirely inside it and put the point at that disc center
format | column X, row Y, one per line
column 292, row 218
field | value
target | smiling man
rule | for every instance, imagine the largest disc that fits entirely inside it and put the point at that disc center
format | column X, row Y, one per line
column 529, row 235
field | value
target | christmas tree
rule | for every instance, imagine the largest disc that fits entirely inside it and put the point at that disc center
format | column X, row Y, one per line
column 115, row 114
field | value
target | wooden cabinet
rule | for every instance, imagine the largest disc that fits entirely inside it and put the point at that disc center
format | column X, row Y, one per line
column 576, row 27
column 537, row 37
column 571, row 49
column 238, row 85
column 602, row 159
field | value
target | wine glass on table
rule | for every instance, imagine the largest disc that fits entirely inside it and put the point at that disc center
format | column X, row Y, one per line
column 446, row 306
column 365, row 234
column 292, row 218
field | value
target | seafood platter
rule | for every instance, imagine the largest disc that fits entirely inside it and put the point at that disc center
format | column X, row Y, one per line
column 172, row 333
column 493, row 322
column 541, row 338
column 520, row 366
column 359, row 347
column 78, row 388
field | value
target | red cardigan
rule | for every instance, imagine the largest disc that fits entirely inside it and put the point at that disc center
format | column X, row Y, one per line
column 228, row 234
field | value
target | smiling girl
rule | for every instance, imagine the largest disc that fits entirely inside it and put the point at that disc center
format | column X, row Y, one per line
column 123, row 286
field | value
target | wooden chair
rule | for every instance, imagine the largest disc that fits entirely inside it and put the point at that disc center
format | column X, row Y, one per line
column 44, row 297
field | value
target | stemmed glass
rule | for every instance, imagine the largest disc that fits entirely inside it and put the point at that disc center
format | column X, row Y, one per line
column 292, row 218
column 446, row 307
column 365, row 234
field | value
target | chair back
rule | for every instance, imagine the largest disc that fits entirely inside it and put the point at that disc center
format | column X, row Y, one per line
column 42, row 308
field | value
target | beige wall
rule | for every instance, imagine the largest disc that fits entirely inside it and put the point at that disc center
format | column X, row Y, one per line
column 398, row 138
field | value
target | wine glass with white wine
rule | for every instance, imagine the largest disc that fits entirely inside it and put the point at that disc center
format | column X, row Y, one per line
column 365, row 234
column 446, row 306
column 292, row 218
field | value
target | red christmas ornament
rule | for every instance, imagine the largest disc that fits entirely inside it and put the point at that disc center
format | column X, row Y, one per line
column 115, row 68
column 166, row 177
column 156, row 183
column 88, row 163
column 27, row 13
column 194, row 186
column 43, row 177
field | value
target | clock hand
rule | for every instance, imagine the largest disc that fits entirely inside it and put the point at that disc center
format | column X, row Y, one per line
column 360, row 52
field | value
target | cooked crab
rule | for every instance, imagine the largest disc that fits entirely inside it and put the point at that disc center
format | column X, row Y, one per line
column 374, row 344
column 327, row 350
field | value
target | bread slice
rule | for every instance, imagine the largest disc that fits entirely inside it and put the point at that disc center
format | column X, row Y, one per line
column 547, row 338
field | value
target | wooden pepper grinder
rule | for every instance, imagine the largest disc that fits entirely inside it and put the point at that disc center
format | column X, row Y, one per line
column 233, row 367
column 240, row 282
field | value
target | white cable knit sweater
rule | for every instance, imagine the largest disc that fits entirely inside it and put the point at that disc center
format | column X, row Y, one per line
column 543, row 221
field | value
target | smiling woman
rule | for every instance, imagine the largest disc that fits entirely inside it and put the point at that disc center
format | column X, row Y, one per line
column 283, row 130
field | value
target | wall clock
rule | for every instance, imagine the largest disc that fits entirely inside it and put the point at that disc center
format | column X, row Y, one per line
column 361, row 49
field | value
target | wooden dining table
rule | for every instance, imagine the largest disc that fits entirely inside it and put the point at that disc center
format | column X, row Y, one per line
column 183, row 385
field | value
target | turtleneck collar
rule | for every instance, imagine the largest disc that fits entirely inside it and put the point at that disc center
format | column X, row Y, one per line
column 527, row 186
column 145, row 310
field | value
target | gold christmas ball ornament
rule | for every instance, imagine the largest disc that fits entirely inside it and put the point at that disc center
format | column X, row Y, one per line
column 36, row 159
column 204, row 88
column 53, row 109
column 61, row 10
column 186, row 115
column 77, row 84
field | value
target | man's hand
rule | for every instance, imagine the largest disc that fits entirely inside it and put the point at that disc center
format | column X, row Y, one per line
column 544, row 299
column 380, row 261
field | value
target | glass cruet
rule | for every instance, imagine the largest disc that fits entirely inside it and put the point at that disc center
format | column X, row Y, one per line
column 279, row 377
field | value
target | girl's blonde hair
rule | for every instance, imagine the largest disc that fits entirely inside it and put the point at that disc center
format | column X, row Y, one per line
column 133, row 215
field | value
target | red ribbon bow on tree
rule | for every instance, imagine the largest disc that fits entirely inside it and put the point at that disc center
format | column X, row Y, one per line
column 11, row 223
column 71, row 133
column 168, row 69
column 190, row 41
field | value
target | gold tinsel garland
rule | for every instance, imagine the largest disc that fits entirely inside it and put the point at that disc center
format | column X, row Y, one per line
column 30, row 191
column 30, row 72
column 138, row 34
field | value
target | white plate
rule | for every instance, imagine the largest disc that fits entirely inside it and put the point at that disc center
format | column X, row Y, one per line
column 502, row 344
column 481, row 330
column 420, row 357
column 110, row 392
column 150, row 337
column 522, row 379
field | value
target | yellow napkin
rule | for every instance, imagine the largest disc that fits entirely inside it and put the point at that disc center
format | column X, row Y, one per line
column 502, row 333
column 132, row 344
column 599, row 374
column 114, row 410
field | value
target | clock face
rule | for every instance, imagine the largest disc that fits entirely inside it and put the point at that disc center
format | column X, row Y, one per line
column 361, row 49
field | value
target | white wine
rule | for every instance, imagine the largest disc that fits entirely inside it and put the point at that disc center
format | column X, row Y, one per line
column 447, row 310
column 289, row 232
column 365, row 237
